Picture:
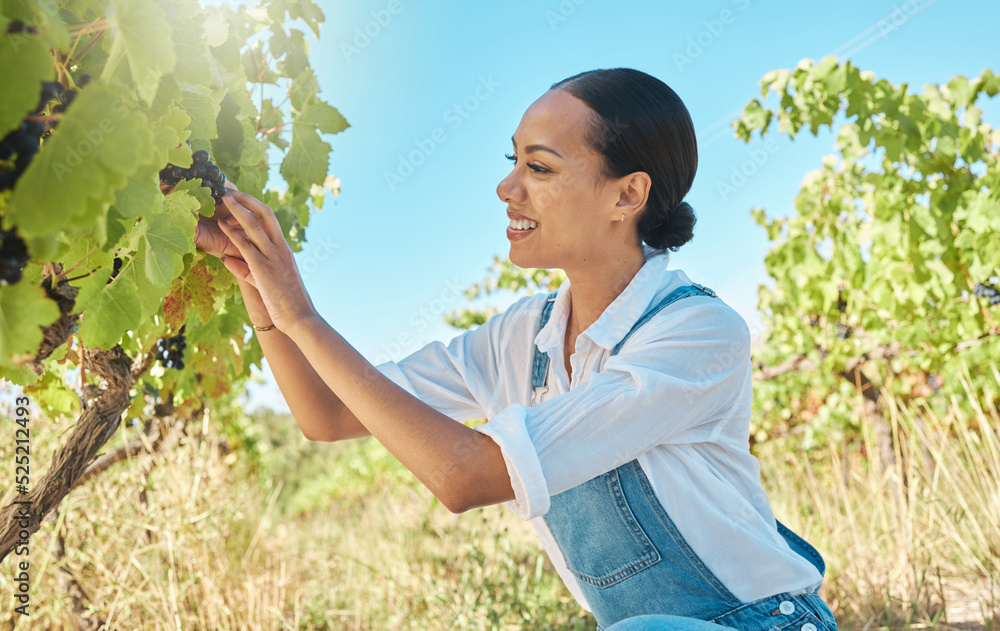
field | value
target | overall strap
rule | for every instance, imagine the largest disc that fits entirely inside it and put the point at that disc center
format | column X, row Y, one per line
column 694, row 289
column 540, row 369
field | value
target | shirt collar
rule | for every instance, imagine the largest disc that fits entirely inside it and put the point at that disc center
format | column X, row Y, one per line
column 620, row 316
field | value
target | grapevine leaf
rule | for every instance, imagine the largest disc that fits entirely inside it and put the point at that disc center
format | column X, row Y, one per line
column 295, row 50
column 22, row 89
column 170, row 131
column 54, row 396
column 215, row 29
column 24, row 310
column 308, row 159
column 111, row 309
column 150, row 295
column 198, row 103
column 326, row 118
column 192, row 52
column 117, row 227
column 311, row 14
column 194, row 289
column 139, row 197
column 18, row 375
column 144, row 40
column 228, row 146
column 164, row 243
column 304, row 87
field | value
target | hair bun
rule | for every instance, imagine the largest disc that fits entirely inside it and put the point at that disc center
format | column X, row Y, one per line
column 671, row 230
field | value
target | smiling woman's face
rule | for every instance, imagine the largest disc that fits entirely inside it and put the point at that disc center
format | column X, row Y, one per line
column 556, row 182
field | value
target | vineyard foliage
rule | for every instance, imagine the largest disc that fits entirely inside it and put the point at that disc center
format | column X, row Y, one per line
column 884, row 275
column 154, row 81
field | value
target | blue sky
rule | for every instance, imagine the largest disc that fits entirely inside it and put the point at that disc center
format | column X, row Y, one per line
column 434, row 90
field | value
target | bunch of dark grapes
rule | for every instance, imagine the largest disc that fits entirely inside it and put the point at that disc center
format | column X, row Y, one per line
column 13, row 256
column 844, row 331
column 170, row 350
column 210, row 175
column 989, row 292
column 23, row 143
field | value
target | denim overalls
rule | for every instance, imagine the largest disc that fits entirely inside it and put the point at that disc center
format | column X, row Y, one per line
column 629, row 558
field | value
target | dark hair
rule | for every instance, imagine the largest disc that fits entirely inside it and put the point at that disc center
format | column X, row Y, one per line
column 640, row 124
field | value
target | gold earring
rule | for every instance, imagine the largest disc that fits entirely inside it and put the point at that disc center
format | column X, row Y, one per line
column 623, row 218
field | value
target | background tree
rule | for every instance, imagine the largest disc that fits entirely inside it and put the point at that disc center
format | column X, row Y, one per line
column 885, row 273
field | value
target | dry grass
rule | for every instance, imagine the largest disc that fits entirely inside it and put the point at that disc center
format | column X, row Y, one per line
column 916, row 545
column 342, row 537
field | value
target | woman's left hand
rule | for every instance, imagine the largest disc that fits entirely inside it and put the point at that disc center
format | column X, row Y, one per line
column 268, row 261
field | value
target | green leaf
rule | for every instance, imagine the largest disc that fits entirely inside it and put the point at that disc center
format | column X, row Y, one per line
column 306, row 10
column 228, row 147
column 198, row 103
column 164, row 243
column 111, row 310
column 326, row 118
column 139, row 197
column 308, row 159
column 54, row 395
column 192, row 52
column 18, row 375
column 150, row 295
column 216, row 27
column 304, row 87
column 22, row 89
column 24, row 310
column 144, row 40
column 962, row 91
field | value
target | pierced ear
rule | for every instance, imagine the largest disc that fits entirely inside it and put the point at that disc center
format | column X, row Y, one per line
column 634, row 193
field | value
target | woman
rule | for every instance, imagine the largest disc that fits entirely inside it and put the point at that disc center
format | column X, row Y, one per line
column 628, row 451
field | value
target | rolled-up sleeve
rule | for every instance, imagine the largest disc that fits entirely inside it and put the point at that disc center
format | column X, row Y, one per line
column 683, row 377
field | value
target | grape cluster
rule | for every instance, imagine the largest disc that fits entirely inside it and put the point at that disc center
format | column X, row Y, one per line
column 201, row 168
column 23, row 143
column 170, row 350
column 13, row 256
column 844, row 331
column 989, row 292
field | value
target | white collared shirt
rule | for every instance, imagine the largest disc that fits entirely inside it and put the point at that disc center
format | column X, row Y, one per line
column 676, row 397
